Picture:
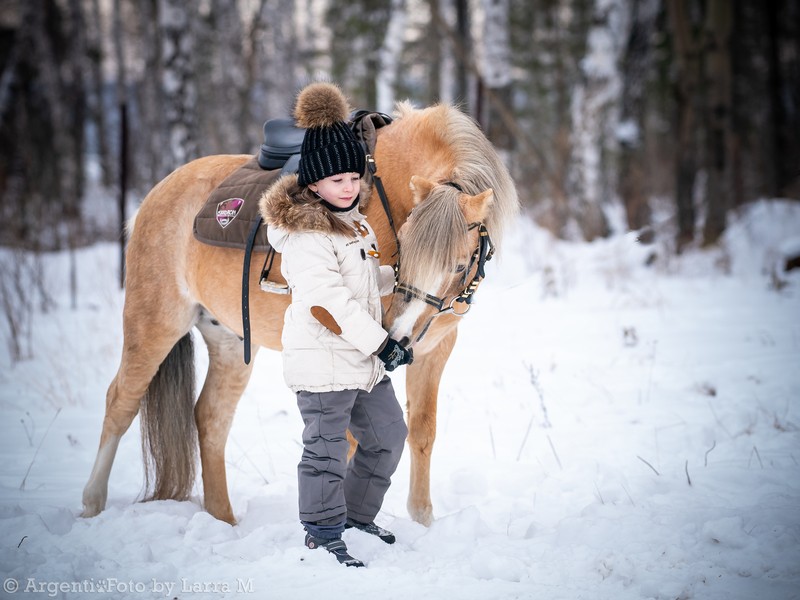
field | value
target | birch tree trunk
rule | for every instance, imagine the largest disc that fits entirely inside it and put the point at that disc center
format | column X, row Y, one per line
column 178, row 85
column 443, row 71
column 495, row 71
column 96, row 99
column 451, row 82
column 594, row 118
column 390, row 57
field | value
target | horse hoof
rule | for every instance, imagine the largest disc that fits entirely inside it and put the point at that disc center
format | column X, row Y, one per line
column 92, row 505
column 223, row 515
column 423, row 516
column 91, row 510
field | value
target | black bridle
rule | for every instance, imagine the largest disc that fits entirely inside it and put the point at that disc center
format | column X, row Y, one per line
column 481, row 255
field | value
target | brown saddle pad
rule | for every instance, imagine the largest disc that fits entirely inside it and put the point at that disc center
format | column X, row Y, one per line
column 232, row 208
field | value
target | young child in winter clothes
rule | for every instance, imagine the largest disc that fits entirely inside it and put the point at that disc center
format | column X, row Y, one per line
column 335, row 351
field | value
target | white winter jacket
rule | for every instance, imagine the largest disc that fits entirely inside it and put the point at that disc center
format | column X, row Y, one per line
column 332, row 329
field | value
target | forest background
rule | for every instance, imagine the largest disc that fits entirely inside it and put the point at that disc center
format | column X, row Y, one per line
column 659, row 116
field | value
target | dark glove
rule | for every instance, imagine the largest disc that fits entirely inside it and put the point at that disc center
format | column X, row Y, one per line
column 394, row 355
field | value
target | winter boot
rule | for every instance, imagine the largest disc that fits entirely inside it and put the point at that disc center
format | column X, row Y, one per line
column 372, row 529
column 337, row 547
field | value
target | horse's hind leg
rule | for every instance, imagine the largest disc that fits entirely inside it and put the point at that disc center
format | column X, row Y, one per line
column 225, row 382
column 150, row 336
column 422, row 389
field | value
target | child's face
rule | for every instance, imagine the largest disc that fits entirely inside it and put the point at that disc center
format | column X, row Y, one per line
column 340, row 190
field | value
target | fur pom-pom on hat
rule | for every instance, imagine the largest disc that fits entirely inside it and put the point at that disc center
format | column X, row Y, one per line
column 320, row 105
column 329, row 146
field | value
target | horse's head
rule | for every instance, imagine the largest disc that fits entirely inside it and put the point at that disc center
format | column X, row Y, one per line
column 444, row 245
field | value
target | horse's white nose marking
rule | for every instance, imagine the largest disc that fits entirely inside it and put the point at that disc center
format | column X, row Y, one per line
column 403, row 325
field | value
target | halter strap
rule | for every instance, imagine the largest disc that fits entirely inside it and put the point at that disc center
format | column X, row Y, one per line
column 409, row 291
column 481, row 255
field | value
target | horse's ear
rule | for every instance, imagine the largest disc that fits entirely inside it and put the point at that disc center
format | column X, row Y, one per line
column 476, row 207
column 420, row 187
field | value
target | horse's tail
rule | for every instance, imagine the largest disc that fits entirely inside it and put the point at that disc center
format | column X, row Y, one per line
column 169, row 433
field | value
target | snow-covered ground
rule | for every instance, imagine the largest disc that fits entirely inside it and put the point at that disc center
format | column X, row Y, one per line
column 606, row 430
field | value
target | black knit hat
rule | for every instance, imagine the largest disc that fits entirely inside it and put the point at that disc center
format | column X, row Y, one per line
column 329, row 146
column 329, row 151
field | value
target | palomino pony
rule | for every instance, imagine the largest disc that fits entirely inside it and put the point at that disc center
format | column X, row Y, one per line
column 434, row 160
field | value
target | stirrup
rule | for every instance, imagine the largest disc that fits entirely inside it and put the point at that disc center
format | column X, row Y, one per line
column 274, row 287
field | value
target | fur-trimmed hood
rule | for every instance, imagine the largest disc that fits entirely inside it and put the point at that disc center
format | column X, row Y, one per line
column 283, row 208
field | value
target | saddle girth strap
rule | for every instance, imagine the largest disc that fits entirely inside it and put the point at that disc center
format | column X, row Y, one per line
column 248, row 253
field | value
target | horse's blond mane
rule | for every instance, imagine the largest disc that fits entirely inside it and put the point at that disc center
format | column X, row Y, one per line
column 479, row 167
column 437, row 241
column 439, row 228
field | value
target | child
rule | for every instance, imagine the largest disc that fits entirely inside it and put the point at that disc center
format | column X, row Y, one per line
column 335, row 351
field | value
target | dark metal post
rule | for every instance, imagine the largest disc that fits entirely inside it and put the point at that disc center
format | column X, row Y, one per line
column 123, row 187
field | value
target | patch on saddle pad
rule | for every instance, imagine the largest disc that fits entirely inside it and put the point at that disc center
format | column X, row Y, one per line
column 230, row 211
column 227, row 211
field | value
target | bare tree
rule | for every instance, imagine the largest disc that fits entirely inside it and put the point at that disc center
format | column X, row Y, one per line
column 149, row 141
column 274, row 60
column 218, row 74
column 719, row 137
column 42, row 118
column 688, row 74
column 451, row 50
column 783, row 90
column 637, row 64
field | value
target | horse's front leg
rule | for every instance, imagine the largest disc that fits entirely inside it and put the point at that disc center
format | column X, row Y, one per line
column 422, row 390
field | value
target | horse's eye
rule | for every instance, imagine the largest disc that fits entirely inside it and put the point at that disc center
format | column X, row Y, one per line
column 461, row 268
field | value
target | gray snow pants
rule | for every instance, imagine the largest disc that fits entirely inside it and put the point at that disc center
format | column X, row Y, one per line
column 330, row 490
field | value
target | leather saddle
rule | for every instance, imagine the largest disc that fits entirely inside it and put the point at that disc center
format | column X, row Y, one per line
column 281, row 147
